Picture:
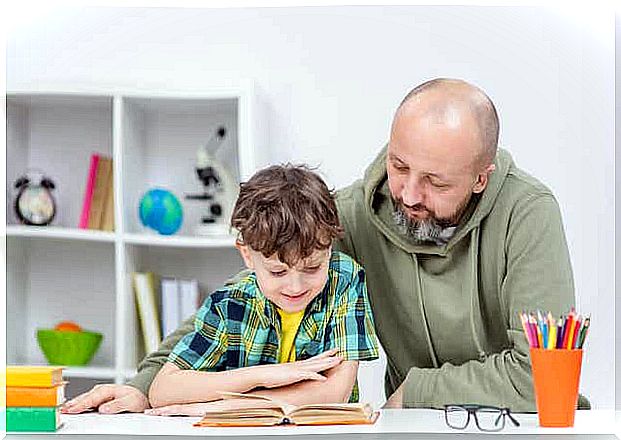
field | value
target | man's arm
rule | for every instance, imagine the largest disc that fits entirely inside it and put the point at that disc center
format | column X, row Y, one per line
column 153, row 362
column 538, row 276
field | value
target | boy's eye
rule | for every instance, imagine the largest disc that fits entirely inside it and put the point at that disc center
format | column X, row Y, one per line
column 312, row 269
column 278, row 273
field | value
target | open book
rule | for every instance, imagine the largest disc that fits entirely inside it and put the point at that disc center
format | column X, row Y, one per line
column 254, row 410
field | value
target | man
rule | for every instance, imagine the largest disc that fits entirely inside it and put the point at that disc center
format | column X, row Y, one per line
column 456, row 241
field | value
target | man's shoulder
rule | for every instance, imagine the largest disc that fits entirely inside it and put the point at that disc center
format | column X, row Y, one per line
column 351, row 194
column 521, row 187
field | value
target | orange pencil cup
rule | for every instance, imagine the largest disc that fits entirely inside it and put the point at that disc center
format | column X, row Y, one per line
column 556, row 376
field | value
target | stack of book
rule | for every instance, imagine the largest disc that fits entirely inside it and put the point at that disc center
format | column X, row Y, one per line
column 33, row 398
column 98, row 204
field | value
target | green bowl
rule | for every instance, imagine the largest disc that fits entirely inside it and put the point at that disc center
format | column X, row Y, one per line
column 68, row 348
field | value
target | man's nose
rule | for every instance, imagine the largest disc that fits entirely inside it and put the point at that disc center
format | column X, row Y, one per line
column 412, row 193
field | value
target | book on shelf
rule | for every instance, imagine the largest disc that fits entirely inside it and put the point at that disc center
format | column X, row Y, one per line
column 263, row 411
column 98, row 203
column 146, row 301
column 179, row 302
column 35, row 396
column 32, row 419
column 189, row 298
column 171, row 309
column 33, row 376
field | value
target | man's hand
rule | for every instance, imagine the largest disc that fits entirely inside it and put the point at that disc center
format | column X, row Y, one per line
column 396, row 400
column 279, row 375
column 108, row 399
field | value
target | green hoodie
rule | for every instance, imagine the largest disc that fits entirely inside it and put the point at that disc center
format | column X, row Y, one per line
column 447, row 316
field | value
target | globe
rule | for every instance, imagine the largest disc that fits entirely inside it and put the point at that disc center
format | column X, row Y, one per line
column 160, row 210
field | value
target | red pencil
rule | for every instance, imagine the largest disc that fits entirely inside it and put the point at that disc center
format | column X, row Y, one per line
column 567, row 328
column 574, row 340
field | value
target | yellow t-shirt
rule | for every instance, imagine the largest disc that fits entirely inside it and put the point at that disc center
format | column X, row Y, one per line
column 290, row 324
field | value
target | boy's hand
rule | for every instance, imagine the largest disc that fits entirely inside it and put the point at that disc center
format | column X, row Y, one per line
column 108, row 399
column 279, row 375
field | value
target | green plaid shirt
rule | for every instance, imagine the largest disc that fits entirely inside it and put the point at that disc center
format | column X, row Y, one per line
column 237, row 326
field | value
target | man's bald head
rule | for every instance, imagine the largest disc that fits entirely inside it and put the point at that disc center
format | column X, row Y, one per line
column 448, row 101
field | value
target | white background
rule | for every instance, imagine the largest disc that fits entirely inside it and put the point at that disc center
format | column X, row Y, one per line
column 329, row 79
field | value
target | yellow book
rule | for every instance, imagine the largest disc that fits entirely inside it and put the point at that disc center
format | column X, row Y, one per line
column 147, row 304
column 33, row 376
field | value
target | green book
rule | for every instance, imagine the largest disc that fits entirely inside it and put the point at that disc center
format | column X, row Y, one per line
column 39, row 419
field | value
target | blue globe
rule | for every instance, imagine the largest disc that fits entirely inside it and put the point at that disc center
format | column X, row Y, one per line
column 160, row 210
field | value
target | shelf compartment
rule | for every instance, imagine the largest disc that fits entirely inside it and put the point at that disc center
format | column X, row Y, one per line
column 60, row 233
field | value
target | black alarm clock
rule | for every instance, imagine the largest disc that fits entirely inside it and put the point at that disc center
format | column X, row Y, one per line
column 34, row 202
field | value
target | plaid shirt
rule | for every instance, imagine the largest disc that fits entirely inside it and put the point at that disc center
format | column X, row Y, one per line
column 237, row 326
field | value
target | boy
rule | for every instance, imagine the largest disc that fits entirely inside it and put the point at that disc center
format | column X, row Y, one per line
column 275, row 330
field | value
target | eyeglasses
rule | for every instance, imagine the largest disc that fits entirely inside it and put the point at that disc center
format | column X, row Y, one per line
column 487, row 418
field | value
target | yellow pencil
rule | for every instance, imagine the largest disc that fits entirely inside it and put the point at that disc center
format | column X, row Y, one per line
column 552, row 337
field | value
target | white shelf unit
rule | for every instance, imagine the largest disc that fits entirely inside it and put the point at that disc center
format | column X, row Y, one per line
column 60, row 272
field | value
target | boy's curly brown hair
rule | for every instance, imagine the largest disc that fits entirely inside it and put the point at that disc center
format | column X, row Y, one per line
column 286, row 210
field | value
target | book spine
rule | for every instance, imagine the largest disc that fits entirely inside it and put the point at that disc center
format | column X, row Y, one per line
column 107, row 218
column 29, row 379
column 189, row 298
column 98, row 200
column 88, row 193
column 32, row 419
column 144, row 287
column 171, row 307
column 30, row 396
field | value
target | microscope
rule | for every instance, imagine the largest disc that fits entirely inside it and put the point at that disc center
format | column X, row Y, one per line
column 219, row 188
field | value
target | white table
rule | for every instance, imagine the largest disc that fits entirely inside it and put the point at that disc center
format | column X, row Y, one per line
column 409, row 423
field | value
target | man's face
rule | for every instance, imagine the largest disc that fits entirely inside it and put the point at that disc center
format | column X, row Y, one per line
column 432, row 167
column 290, row 288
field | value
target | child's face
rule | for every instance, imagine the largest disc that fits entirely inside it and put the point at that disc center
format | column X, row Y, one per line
column 290, row 288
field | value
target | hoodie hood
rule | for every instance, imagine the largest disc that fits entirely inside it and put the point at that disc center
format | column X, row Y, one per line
column 380, row 207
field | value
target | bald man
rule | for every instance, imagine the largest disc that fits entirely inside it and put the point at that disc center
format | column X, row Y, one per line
column 456, row 241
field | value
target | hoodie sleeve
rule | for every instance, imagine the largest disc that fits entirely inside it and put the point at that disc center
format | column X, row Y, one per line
column 153, row 362
column 538, row 276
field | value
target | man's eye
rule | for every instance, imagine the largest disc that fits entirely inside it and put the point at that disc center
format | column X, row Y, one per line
column 400, row 168
column 279, row 273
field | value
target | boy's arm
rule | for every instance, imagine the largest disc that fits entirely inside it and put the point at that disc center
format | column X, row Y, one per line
column 335, row 389
column 173, row 385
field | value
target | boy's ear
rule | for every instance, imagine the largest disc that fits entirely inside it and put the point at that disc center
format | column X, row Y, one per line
column 245, row 254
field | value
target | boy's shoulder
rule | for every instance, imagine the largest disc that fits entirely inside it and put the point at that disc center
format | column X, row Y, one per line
column 244, row 289
column 344, row 265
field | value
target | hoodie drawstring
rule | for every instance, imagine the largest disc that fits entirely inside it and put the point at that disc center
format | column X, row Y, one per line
column 474, row 303
column 421, row 307
column 474, row 290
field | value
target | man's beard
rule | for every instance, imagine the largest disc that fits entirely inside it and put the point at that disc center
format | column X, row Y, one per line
column 429, row 229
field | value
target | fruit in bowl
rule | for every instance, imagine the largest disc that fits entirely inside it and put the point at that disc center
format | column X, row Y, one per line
column 68, row 344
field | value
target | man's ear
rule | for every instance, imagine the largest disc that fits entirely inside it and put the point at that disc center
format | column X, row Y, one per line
column 245, row 254
column 483, row 178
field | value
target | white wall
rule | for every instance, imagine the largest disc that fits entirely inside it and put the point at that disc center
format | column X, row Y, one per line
column 329, row 79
